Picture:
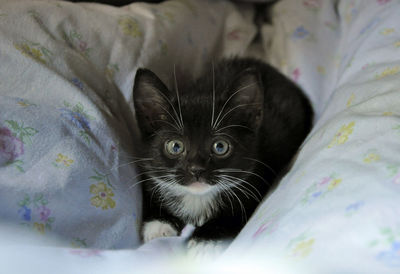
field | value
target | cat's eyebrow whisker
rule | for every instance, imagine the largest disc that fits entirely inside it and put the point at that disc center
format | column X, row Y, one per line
column 178, row 98
column 213, row 95
column 172, row 125
column 264, row 164
column 175, row 119
column 229, row 98
column 232, row 109
column 229, row 126
column 173, row 108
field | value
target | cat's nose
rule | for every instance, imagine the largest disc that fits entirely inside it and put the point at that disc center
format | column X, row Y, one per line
column 196, row 170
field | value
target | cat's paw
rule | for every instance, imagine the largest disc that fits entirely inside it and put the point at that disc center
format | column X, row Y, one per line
column 156, row 229
column 204, row 250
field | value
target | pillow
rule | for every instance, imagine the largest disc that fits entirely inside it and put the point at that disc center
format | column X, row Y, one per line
column 337, row 210
column 67, row 130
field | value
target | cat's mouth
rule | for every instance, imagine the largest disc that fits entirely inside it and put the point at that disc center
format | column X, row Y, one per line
column 198, row 187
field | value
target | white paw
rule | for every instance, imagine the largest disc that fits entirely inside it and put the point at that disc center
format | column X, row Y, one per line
column 201, row 250
column 157, row 229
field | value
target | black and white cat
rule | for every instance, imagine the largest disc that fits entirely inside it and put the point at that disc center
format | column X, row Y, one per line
column 213, row 147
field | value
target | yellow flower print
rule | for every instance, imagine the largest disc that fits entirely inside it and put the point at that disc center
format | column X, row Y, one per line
column 23, row 104
column 39, row 227
column 102, row 196
column 130, row 27
column 387, row 31
column 387, row 113
column 397, row 44
column 298, row 179
column 109, row 73
column 30, row 52
column 64, row 160
column 342, row 135
column 371, row 157
column 388, row 72
column 111, row 70
column 350, row 101
column 334, row 183
column 304, row 248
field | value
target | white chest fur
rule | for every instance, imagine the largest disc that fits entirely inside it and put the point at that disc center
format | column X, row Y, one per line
column 197, row 209
column 192, row 205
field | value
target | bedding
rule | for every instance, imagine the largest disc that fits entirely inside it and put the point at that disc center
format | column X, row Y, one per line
column 67, row 132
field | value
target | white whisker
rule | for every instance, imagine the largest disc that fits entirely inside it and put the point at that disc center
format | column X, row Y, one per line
column 213, row 95
column 175, row 119
column 224, row 190
column 229, row 126
column 132, row 162
column 151, row 178
column 240, row 202
column 172, row 125
column 178, row 98
column 227, row 101
column 241, row 171
column 229, row 111
column 246, row 191
column 264, row 164
column 233, row 178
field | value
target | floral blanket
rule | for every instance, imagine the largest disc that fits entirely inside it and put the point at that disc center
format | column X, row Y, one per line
column 67, row 132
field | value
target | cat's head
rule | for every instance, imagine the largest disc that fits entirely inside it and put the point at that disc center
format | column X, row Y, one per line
column 202, row 137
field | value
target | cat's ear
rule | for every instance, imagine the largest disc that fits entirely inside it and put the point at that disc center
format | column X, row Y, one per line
column 248, row 97
column 150, row 101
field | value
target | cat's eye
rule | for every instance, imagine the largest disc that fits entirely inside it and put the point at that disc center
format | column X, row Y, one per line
column 174, row 147
column 221, row 148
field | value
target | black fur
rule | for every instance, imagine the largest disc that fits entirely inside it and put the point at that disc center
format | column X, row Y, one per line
column 265, row 122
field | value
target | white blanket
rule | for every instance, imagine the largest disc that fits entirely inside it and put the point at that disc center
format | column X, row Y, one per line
column 66, row 128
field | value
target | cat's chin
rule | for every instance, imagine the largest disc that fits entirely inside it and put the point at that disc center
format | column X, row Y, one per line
column 198, row 188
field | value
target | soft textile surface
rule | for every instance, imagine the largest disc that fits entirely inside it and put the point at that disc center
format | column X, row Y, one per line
column 337, row 210
column 66, row 122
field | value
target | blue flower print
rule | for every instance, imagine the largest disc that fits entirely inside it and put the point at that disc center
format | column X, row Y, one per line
column 300, row 33
column 316, row 194
column 77, row 83
column 25, row 213
column 391, row 257
column 77, row 118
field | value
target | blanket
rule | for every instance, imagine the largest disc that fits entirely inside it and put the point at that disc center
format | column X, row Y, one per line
column 67, row 132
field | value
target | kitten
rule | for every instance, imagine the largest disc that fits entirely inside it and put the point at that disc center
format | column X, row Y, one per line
column 213, row 147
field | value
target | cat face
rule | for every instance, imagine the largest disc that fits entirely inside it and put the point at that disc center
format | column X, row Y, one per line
column 202, row 138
